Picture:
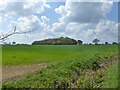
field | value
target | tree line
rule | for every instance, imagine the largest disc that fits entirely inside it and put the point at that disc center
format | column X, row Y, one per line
column 57, row 41
column 66, row 41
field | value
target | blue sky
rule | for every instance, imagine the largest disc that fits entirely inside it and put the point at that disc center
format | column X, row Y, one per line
column 84, row 21
column 113, row 15
column 54, row 17
column 50, row 13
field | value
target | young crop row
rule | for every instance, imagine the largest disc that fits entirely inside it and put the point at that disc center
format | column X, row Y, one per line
column 81, row 72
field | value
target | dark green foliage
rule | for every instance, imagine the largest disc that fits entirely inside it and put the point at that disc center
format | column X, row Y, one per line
column 13, row 43
column 96, row 41
column 79, row 42
column 115, row 43
column 56, row 41
column 106, row 43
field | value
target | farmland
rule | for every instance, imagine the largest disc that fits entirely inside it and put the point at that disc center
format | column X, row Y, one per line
column 72, row 63
column 15, row 55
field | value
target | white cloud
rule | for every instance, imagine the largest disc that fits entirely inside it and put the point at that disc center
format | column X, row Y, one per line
column 0, row 24
column 31, row 22
column 59, row 27
column 0, row 21
column 79, row 20
column 45, row 19
column 26, row 23
column 0, row 18
column 23, row 8
column 105, row 30
column 87, row 21
column 30, row 37
column 21, row 15
column 77, row 31
column 61, row 10
column 84, row 12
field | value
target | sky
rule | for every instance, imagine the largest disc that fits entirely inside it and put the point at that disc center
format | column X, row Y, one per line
column 84, row 21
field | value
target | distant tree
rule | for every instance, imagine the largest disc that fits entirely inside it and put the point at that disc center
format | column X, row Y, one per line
column 114, row 43
column 90, row 43
column 96, row 41
column 13, row 43
column 79, row 42
column 61, row 37
column 106, row 43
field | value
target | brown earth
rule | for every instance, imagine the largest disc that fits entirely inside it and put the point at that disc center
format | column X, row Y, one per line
column 19, row 71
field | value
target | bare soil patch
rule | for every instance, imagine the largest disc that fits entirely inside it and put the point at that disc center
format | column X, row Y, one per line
column 19, row 71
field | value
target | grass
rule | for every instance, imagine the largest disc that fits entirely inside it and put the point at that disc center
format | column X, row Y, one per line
column 77, row 66
column 23, row 54
column 111, row 77
column 70, row 72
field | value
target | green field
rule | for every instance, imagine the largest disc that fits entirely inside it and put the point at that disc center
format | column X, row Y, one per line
column 73, row 62
column 111, row 77
column 15, row 55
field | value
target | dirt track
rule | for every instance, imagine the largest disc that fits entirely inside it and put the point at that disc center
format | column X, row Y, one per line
column 14, row 72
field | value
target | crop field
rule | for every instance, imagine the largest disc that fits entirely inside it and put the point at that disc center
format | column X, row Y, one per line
column 15, row 55
column 76, row 66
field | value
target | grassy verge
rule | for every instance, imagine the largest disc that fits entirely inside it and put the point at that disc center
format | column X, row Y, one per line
column 111, row 77
column 81, row 72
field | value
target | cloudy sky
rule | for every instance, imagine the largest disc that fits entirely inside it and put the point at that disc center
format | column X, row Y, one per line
column 79, row 20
